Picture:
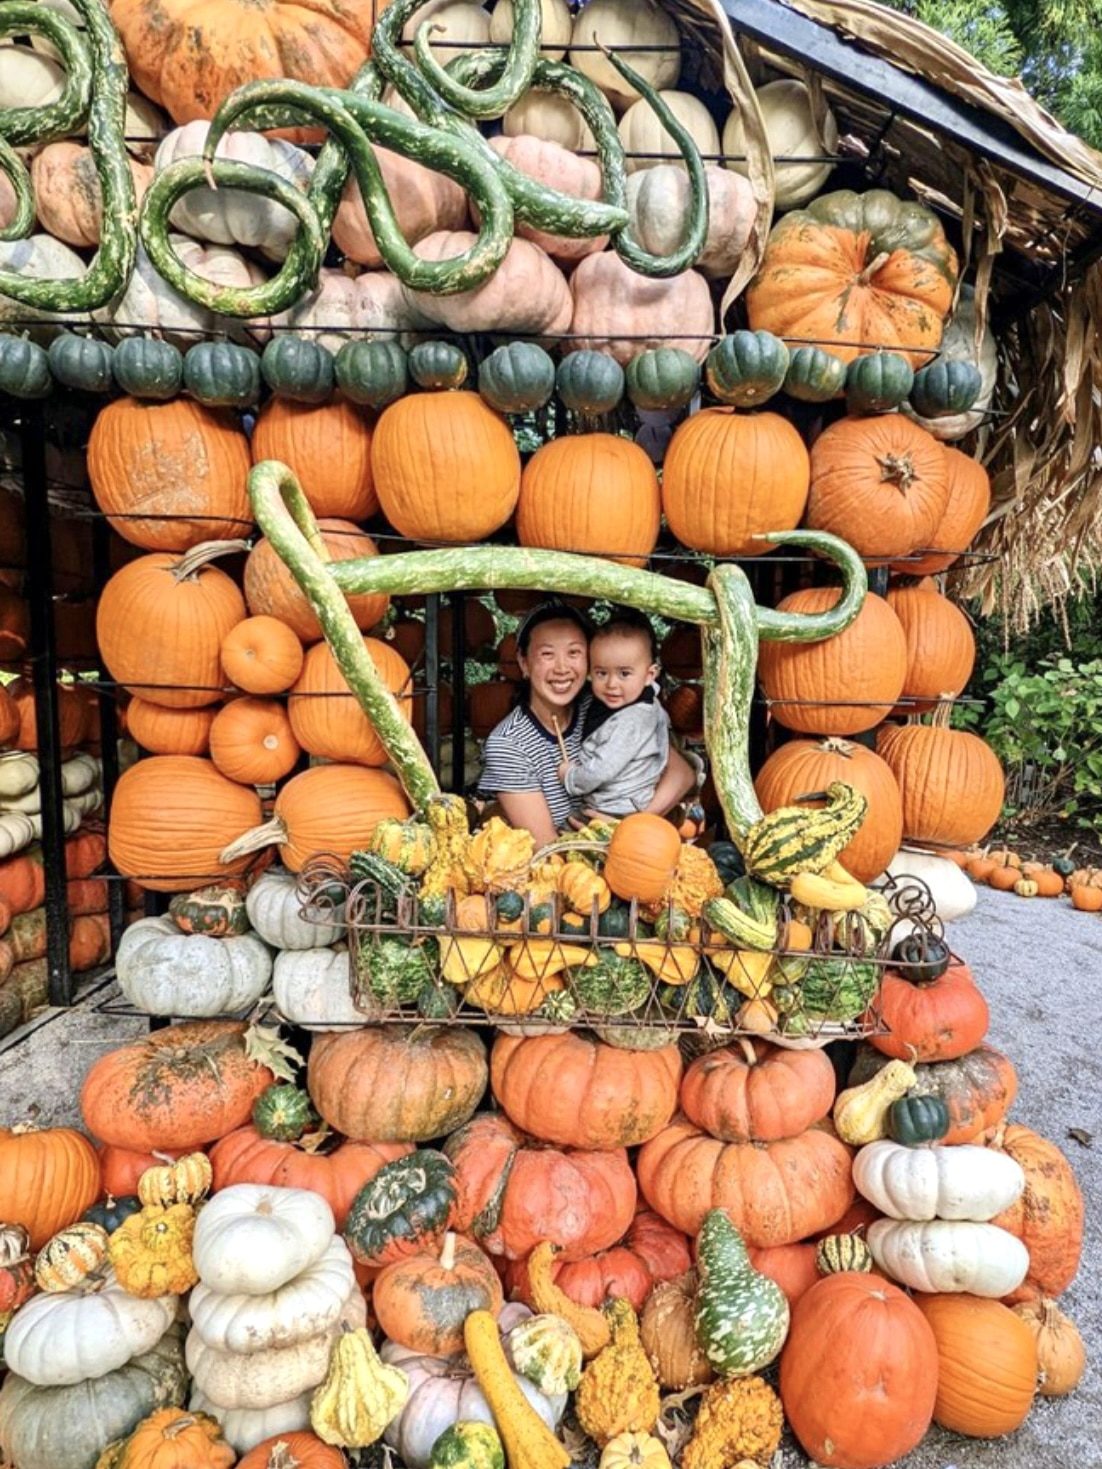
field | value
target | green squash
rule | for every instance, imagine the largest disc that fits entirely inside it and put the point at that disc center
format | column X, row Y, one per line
column 590, row 383
column 222, row 375
column 432, row 911
column 613, row 986
column 663, row 378
column 837, row 989
column 673, row 924
column 439, row 1000
column 741, row 1317
column 916, row 1120
column 468, row 1446
column 814, row 375
column 707, row 997
column 945, row 387
column 615, row 921
column 745, row 369
column 403, row 1209
column 110, row 1212
column 218, row 911
column 558, row 1009
column 81, row 363
column 878, row 383
column 373, row 374
column 296, row 368
column 1064, row 866
column 284, row 1112
column 728, row 861
column 508, row 907
column 436, row 366
column 517, row 377
column 24, row 369
column 396, row 971
column 145, row 367
column 373, row 867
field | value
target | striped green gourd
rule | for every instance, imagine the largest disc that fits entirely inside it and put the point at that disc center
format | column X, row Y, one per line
column 794, row 839
column 746, row 914
column 741, row 1315
column 369, row 866
column 839, row 1253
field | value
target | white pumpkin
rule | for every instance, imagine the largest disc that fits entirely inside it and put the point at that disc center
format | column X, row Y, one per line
column 306, row 1306
column 165, row 972
column 150, row 304
column 958, row 344
column 54, row 1340
column 18, row 774
column 658, row 199
column 527, row 293
column 643, row 135
column 28, row 78
column 244, row 1428
column 369, row 305
column 623, row 313
column 560, row 169
column 962, row 1182
column 79, row 774
column 273, row 906
column 423, row 201
column 952, row 890
column 233, row 216
column 260, row 1379
column 555, row 26
column 311, row 988
column 459, row 26
column 948, row 1255
column 790, row 128
column 620, row 25
column 252, row 1238
column 549, row 116
column 38, row 257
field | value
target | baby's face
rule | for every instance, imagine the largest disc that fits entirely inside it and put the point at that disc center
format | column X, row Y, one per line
column 620, row 668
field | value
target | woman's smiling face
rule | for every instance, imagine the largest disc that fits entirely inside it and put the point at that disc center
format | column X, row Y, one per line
column 556, row 662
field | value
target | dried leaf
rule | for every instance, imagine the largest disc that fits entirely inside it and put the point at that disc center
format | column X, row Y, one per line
column 265, row 1045
column 1081, row 1136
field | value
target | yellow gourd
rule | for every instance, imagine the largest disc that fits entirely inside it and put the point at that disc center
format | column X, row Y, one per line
column 740, row 1419
column 543, row 958
column 618, row 1392
column 501, row 992
column 634, row 1451
column 361, row 1394
column 591, row 1325
column 151, row 1251
column 861, row 1112
column 748, row 970
column 695, row 880
column 833, row 889
column 581, row 887
column 674, row 964
column 446, row 816
column 529, row 1443
column 758, row 1016
column 498, row 856
column 183, row 1181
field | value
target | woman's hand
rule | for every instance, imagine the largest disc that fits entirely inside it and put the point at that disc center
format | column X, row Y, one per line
column 564, row 766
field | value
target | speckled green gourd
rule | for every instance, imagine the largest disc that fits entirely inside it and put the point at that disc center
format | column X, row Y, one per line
column 467, row 1445
column 284, row 1112
column 741, row 1315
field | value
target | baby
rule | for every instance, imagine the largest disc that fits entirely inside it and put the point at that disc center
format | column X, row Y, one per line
column 626, row 733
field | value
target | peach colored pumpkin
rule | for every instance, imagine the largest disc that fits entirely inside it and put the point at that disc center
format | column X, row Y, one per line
column 527, row 292
column 623, row 313
column 424, row 201
column 557, row 167
column 658, row 199
column 67, row 192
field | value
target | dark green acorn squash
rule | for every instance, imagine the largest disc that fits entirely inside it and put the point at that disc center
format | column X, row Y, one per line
column 878, row 383
column 222, row 375
column 745, row 369
column 814, row 375
column 145, row 367
column 913, row 1121
column 81, row 363
column 728, row 861
column 509, row 906
column 437, row 366
column 372, row 373
column 439, row 1000
column 945, row 387
column 517, row 377
column 284, row 1112
column 615, row 921
column 297, row 368
column 24, row 369
column 1064, row 866
column 590, row 383
column 707, row 997
column 218, row 911
column 110, row 1212
column 404, row 1209
column 663, row 378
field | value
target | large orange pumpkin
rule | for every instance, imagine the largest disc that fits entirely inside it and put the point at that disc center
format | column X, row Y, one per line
column 164, row 731
column 271, row 590
column 251, row 742
column 262, row 655
column 803, row 766
column 174, row 1088
column 936, row 1020
column 941, row 649
column 160, row 624
column 48, row 1177
column 446, row 467
column 775, row 1193
column 575, row 1091
column 859, row 1372
column 880, row 483
column 844, row 684
column 590, row 493
column 328, row 445
column 293, row 1451
column 176, row 459
column 326, row 716
column 755, row 1092
column 395, row 1084
column 171, row 818
column 950, row 780
column 642, row 857
column 336, row 1168
column 421, row 1301
column 1048, row 1217
column 512, row 1192
column 728, row 477
column 969, row 502
column 986, row 1364
column 858, row 272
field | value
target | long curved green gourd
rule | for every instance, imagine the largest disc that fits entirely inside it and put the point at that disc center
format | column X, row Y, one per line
column 12, row 166
column 515, row 74
column 724, row 609
column 110, row 270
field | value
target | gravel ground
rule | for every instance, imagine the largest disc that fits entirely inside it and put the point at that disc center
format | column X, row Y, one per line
column 1040, row 965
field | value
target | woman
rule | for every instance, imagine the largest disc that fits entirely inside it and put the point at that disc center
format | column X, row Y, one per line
column 522, row 754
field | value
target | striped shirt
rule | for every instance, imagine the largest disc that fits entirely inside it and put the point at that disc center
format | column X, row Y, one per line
column 520, row 755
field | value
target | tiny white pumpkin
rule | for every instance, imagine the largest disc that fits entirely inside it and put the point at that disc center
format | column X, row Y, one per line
column 964, row 1182
column 165, row 972
column 252, row 1238
column 619, row 25
column 644, row 136
column 244, row 1428
column 549, row 116
column 311, row 988
column 273, row 906
column 306, row 1306
column 949, row 1255
column 790, row 128
column 658, row 199
column 555, row 27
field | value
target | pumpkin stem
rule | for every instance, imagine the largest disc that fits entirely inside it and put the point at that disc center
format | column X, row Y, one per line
column 199, row 556
column 178, row 1425
column 835, row 745
column 746, row 1045
column 269, row 834
column 447, row 1253
column 876, row 264
column 898, row 470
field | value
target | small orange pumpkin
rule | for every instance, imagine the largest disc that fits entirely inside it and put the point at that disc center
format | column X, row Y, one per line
column 251, row 742
column 642, row 857
column 262, row 655
column 271, row 589
column 1003, row 879
column 1086, row 899
column 422, row 1301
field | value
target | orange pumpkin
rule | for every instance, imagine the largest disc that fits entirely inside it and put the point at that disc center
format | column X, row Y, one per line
column 728, row 477
column 642, row 857
column 575, row 1091
column 9, row 719
column 174, row 1088
column 870, row 1403
column 590, row 493
column 775, row 1192
column 488, row 703
column 262, row 655
column 177, row 459
column 15, row 625
column 171, row 818
column 791, row 1266
column 935, row 1020
column 293, row 1451
column 122, row 1168
column 879, row 483
column 184, row 608
column 978, row 1088
column 164, row 731
column 271, row 590
column 251, row 742
column 1004, row 879
column 941, row 648
column 685, row 706
column 844, row 684
column 71, row 715
column 756, row 1092
column 328, row 445
column 48, row 1177
column 1086, row 899
column 446, row 467
column 802, row 766
column 969, row 502
column 980, row 868
column 950, row 780
column 1048, row 1217
column 421, row 1301
column 176, row 1438
column 326, row 716
column 986, row 1364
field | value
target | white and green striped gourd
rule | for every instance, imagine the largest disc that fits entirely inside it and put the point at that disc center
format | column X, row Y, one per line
column 741, row 1315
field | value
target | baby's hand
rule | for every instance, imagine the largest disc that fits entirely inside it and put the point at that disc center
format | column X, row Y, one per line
column 564, row 766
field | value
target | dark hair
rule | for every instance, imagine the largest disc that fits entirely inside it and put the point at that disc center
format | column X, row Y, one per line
column 551, row 612
column 629, row 620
